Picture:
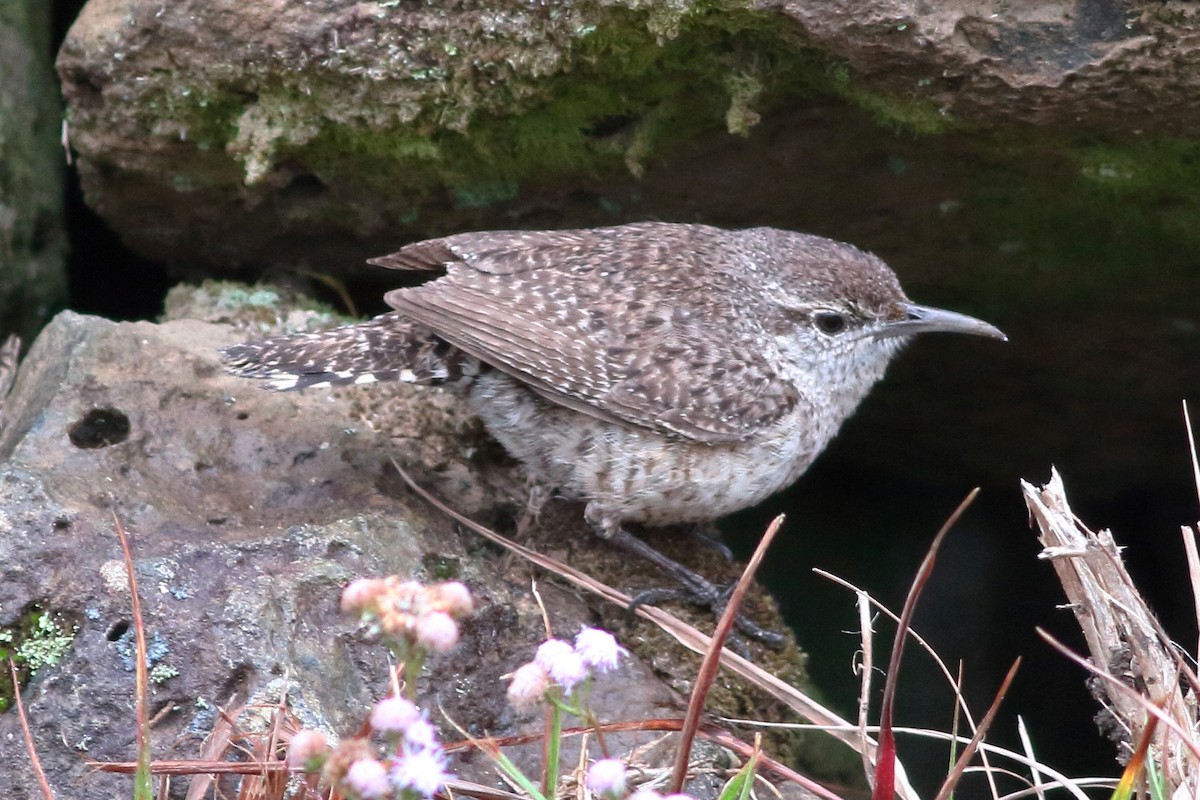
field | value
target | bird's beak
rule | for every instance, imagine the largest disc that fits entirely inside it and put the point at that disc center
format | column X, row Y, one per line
column 923, row 319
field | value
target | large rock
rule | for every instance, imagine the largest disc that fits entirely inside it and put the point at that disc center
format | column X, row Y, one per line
column 226, row 134
column 248, row 512
column 32, row 243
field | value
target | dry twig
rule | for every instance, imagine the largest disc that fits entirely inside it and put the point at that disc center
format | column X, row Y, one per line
column 1125, row 640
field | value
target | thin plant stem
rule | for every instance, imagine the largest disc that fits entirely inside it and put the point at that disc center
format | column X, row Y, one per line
column 553, row 745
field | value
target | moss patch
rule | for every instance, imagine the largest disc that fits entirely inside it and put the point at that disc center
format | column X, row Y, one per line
column 41, row 638
column 1095, row 221
column 633, row 86
column 1153, row 180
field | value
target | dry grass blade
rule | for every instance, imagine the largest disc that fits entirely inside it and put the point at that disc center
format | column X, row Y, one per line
column 711, row 662
column 141, row 788
column 951, row 681
column 1122, row 634
column 1192, row 554
column 1191, row 437
column 266, row 750
column 866, row 668
column 194, row 766
column 684, row 634
column 216, row 744
column 904, row 626
column 338, row 286
column 666, row 725
column 1119, row 687
column 30, row 748
column 885, row 765
column 1034, row 768
column 1189, row 535
column 863, row 596
column 969, row 751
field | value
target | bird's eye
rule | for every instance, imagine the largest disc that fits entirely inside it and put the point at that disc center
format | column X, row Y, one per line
column 829, row 322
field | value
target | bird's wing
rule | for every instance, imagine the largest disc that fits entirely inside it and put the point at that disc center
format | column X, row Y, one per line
column 624, row 324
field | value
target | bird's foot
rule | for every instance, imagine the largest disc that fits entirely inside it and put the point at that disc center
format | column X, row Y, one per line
column 709, row 595
column 693, row 587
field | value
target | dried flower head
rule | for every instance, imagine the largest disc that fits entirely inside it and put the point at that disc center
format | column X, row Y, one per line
column 606, row 777
column 599, row 649
column 422, row 771
column 437, row 631
column 420, row 735
column 307, row 750
column 394, row 715
column 454, row 598
column 529, row 685
column 408, row 612
column 338, row 762
column 367, row 778
column 564, row 665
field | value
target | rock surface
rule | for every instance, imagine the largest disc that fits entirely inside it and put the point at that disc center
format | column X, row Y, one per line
column 224, row 135
column 32, row 242
column 248, row 512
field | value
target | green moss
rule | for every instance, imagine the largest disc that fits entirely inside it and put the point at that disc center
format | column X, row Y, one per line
column 1162, row 172
column 635, row 90
column 638, row 84
column 1130, row 202
column 39, row 639
column 902, row 114
column 205, row 116
column 262, row 309
column 1089, row 222
column 161, row 673
column 47, row 641
column 440, row 567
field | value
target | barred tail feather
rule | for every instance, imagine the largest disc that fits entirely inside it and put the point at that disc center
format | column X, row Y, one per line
column 386, row 348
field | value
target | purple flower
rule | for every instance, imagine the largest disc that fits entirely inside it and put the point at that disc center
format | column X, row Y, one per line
column 367, row 778
column 550, row 651
column 529, row 685
column 394, row 715
column 423, row 771
column 456, row 598
column 564, row 665
column 437, row 631
column 307, row 750
column 598, row 649
column 420, row 735
column 607, row 777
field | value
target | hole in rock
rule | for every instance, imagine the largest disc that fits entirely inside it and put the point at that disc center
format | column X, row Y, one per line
column 98, row 428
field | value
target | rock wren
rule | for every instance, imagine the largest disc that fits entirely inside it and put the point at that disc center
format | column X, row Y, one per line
column 661, row 373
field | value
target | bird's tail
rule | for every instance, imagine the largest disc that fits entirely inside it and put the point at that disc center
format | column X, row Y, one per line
column 386, row 348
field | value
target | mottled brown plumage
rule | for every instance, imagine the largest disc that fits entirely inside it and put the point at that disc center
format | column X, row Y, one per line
column 659, row 372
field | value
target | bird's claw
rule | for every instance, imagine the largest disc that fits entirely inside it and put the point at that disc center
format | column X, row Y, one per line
column 706, row 594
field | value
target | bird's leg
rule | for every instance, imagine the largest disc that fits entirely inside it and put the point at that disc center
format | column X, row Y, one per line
column 693, row 587
column 536, row 499
column 707, row 535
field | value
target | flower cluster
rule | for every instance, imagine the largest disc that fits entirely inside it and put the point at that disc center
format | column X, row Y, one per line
column 558, row 663
column 420, row 616
column 413, row 620
column 606, row 778
column 415, row 768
